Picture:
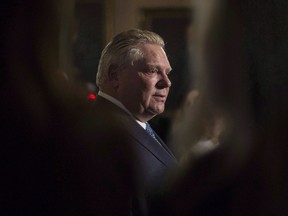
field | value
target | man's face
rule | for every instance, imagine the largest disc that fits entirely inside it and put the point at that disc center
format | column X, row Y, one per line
column 144, row 87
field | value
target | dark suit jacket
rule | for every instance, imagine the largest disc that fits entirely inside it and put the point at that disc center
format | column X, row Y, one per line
column 152, row 160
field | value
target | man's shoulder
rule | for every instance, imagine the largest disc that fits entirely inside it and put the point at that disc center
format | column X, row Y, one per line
column 102, row 106
column 109, row 113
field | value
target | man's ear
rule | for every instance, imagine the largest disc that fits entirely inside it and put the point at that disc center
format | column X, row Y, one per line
column 113, row 75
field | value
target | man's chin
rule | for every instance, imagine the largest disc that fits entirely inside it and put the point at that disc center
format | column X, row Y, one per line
column 156, row 111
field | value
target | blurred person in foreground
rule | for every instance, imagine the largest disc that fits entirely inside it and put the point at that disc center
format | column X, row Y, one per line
column 51, row 157
column 241, row 54
column 205, row 128
column 134, row 84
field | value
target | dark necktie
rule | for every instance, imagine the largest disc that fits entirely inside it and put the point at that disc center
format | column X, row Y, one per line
column 151, row 132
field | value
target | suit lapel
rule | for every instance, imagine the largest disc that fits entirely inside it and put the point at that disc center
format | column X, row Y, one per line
column 162, row 153
column 165, row 146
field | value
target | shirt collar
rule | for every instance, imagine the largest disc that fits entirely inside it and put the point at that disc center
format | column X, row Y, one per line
column 142, row 124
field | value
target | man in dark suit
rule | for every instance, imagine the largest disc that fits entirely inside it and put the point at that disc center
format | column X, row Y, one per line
column 133, row 86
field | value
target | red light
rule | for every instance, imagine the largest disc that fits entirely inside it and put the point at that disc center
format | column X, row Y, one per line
column 92, row 96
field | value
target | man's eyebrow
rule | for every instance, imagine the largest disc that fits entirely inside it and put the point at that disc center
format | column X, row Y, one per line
column 158, row 66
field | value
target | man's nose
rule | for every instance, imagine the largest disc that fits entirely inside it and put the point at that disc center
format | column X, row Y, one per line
column 164, row 82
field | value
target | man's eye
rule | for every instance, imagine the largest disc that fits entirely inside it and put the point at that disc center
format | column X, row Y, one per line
column 153, row 70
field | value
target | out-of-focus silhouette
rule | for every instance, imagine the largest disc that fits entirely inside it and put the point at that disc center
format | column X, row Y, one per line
column 55, row 158
column 204, row 126
column 240, row 50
